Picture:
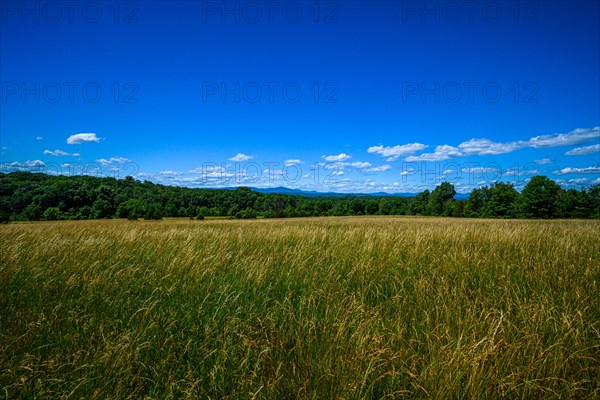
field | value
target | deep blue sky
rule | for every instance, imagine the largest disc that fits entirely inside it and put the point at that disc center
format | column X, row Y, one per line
column 200, row 94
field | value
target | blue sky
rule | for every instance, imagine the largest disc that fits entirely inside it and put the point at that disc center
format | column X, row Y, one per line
column 346, row 96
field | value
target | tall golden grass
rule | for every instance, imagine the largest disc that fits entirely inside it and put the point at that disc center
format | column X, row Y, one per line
column 348, row 308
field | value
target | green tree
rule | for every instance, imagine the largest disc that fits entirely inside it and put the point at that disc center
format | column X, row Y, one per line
column 476, row 202
column 84, row 212
column 131, row 209
column 102, row 209
column 459, row 207
column 52, row 214
column 202, row 212
column 501, row 200
column 540, row 198
column 171, row 210
column 4, row 217
column 441, row 199
column 247, row 213
column 574, row 204
column 33, row 212
column 419, row 204
column 153, row 211
column 594, row 202
column 371, row 207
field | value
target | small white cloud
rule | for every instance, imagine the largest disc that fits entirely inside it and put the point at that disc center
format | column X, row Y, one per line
column 579, row 181
column 584, row 151
column 381, row 168
column 571, row 170
column 404, row 173
column 395, row 152
column 239, row 157
column 83, row 137
column 544, row 161
column 39, row 138
column 359, row 164
column 170, row 173
column 484, row 147
column 595, row 181
column 213, row 171
column 572, row 138
column 29, row 165
column 441, row 153
column 517, row 172
column 337, row 173
column 289, row 163
column 479, row 170
column 113, row 160
column 339, row 157
column 57, row 153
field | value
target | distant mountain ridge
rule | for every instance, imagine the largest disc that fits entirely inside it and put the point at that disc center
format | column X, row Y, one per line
column 313, row 193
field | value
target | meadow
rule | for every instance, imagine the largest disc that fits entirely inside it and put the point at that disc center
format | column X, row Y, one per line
column 311, row 308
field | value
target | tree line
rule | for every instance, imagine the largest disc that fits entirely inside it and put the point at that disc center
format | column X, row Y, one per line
column 28, row 196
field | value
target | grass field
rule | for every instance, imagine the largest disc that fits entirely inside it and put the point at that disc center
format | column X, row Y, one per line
column 322, row 308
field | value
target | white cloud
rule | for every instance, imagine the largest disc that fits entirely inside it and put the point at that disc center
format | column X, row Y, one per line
column 113, row 160
column 25, row 166
column 289, row 163
column 544, row 161
column 395, row 152
column 213, row 171
column 339, row 165
column 39, row 138
column 359, row 164
column 56, row 153
column 584, row 151
column 517, row 172
column 170, row 173
column 83, row 137
column 595, row 181
column 572, row 138
column 443, row 152
column 579, row 181
column 239, row 157
column 484, row 147
column 339, row 157
column 381, row 168
column 60, row 153
column 571, row 170
column 479, row 170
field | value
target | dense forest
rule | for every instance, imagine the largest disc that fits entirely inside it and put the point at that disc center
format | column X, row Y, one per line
column 28, row 196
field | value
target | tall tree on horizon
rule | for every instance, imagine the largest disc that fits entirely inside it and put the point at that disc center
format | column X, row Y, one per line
column 540, row 198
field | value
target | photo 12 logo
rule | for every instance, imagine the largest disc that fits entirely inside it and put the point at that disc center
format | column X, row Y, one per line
column 271, row 12
column 468, row 172
column 269, row 92
column 69, row 12
column 469, row 92
column 470, row 12
column 69, row 92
